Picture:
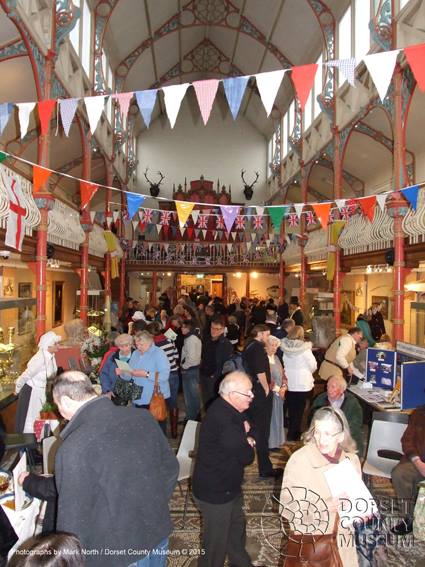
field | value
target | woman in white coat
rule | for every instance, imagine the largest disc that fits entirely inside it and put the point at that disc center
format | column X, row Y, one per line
column 299, row 363
column 31, row 384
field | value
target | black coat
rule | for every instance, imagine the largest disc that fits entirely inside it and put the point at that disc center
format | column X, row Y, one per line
column 44, row 488
column 214, row 355
column 222, row 456
column 115, row 474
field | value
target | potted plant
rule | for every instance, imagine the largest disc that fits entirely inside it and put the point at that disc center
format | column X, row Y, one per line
column 49, row 410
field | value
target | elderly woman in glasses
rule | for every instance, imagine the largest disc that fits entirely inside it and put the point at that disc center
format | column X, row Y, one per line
column 279, row 387
column 306, row 498
column 108, row 374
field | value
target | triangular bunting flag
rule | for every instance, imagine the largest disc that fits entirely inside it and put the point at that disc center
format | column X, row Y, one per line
column 190, row 232
column 346, row 67
column 260, row 210
column 166, row 246
column 276, row 216
column 298, row 209
column 115, row 215
column 303, row 79
column 205, row 93
column 5, row 112
column 411, row 194
column 108, row 222
column 234, row 89
column 40, row 175
column 204, row 233
column 87, row 190
column 253, row 236
column 67, row 109
column 45, row 109
column 248, row 246
column 415, row 56
column 92, row 216
column 381, row 68
column 3, row 156
column 322, row 213
column 229, row 213
column 195, row 215
column 340, row 203
column 94, row 106
column 124, row 102
column 197, row 231
column 182, row 229
column 184, row 208
column 173, row 97
column 268, row 84
column 158, row 228
column 233, row 235
column 24, row 109
column 367, row 205
column 146, row 102
column 229, row 247
column 134, row 200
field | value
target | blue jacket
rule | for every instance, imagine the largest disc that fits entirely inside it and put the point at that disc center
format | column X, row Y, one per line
column 107, row 375
column 154, row 360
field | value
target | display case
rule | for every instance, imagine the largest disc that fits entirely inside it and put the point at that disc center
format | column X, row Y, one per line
column 96, row 307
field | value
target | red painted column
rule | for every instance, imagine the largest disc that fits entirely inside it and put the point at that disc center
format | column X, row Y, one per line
column 303, row 239
column 225, row 298
column 108, row 214
column 123, row 262
column 84, row 281
column 338, row 276
column 247, row 285
column 154, row 286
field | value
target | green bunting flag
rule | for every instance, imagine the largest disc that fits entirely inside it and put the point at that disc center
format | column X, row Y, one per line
column 276, row 216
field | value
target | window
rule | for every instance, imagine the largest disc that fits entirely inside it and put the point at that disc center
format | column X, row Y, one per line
column 291, row 113
column 361, row 28
column 318, row 86
column 308, row 111
column 85, row 54
column 344, row 39
column 403, row 3
column 285, row 136
column 270, row 157
column 74, row 36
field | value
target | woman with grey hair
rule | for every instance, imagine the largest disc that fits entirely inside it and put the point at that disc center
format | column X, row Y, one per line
column 278, row 386
column 108, row 375
column 305, row 490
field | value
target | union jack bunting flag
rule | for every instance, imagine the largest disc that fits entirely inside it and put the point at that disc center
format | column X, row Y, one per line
column 165, row 218
column 258, row 223
column 346, row 213
column 293, row 219
column 147, row 216
column 240, row 222
column 220, row 223
column 203, row 221
column 310, row 218
column 332, row 215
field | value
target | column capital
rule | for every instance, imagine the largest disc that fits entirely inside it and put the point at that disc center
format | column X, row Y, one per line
column 45, row 201
column 397, row 205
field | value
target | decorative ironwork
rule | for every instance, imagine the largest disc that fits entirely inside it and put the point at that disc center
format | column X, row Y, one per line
column 67, row 16
column 381, row 25
column 103, row 12
column 15, row 48
column 295, row 139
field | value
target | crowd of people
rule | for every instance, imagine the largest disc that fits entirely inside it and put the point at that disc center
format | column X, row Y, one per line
column 246, row 371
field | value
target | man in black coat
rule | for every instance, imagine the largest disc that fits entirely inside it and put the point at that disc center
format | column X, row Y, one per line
column 115, row 474
column 225, row 449
column 216, row 350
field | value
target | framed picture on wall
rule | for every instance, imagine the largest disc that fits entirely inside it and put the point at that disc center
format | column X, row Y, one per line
column 26, row 314
column 57, row 303
column 348, row 312
column 384, row 302
column 8, row 287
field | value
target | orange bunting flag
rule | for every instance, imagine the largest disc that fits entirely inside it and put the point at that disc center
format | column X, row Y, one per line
column 40, row 175
column 367, row 206
column 87, row 190
column 322, row 213
column 415, row 55
column 303, row 79
column 45, row 109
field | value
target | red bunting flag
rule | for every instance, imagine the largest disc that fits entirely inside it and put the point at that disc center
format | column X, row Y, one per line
column 303, row 79
column 367, row 206
column 415, row 56
column 40, row 175
column 45, row 109
column 87, row 190
column 322, row 213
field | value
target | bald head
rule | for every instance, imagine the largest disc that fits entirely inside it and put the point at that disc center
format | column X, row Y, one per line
column 71, row 390
column 236, row 390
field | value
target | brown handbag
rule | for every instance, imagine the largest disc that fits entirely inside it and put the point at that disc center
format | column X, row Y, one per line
column 314, row 550
column 157, row 406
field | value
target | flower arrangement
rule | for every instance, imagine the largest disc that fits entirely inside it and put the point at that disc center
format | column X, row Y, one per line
column 93, row 349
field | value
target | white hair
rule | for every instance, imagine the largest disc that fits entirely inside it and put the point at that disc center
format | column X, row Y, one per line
column 340, row 380
column 232, row 381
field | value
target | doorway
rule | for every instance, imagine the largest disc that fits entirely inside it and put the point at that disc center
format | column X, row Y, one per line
column 200, row 283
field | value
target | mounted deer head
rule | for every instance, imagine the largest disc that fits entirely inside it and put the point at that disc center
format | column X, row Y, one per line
column 248, row 190
column 154, row 187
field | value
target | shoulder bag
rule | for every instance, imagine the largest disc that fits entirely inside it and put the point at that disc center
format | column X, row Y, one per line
column 157, row 405
column 314, row 550
column 126, row 391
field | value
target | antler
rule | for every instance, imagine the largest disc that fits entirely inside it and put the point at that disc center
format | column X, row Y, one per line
column 162, row 177
column 146, row 177
column 253, row 183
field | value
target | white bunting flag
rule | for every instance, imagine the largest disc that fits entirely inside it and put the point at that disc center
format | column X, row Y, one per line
column 298, row 209
column 135, row 223
column 248, row 246
column 346, row 67
column 229, row 247
column 340, row 203
column 182, row 229
column 260, row 211
column 25, row 109
column 141, row 214
column 381, row 200
column 233, row 235
column 204, row 233
column 108, row 222
column 158, row 228
column 205, row 93
column 195, row 215
column 166, row 246
column 173, row 97
column 253, row 236
column 381, row 68
column 94, row 106
column 67, row 108
column 268, row 84
column 92, row 215
column 115, row 215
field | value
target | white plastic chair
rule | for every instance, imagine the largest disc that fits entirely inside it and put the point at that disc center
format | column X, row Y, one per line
column 185, row 459
column 384, row 450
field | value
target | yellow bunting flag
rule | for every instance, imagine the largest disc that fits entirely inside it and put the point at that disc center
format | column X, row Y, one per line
column 183, row 211
column 334, row 233
column 111, row 243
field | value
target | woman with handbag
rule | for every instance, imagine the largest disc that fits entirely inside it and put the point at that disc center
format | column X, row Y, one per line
column 316, row 532
column 151, row 370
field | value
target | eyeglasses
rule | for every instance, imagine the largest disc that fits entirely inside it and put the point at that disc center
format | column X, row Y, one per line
column 249, row 395
column 318, row 433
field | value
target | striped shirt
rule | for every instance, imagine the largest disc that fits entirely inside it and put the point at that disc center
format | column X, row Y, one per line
column 170, row 350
